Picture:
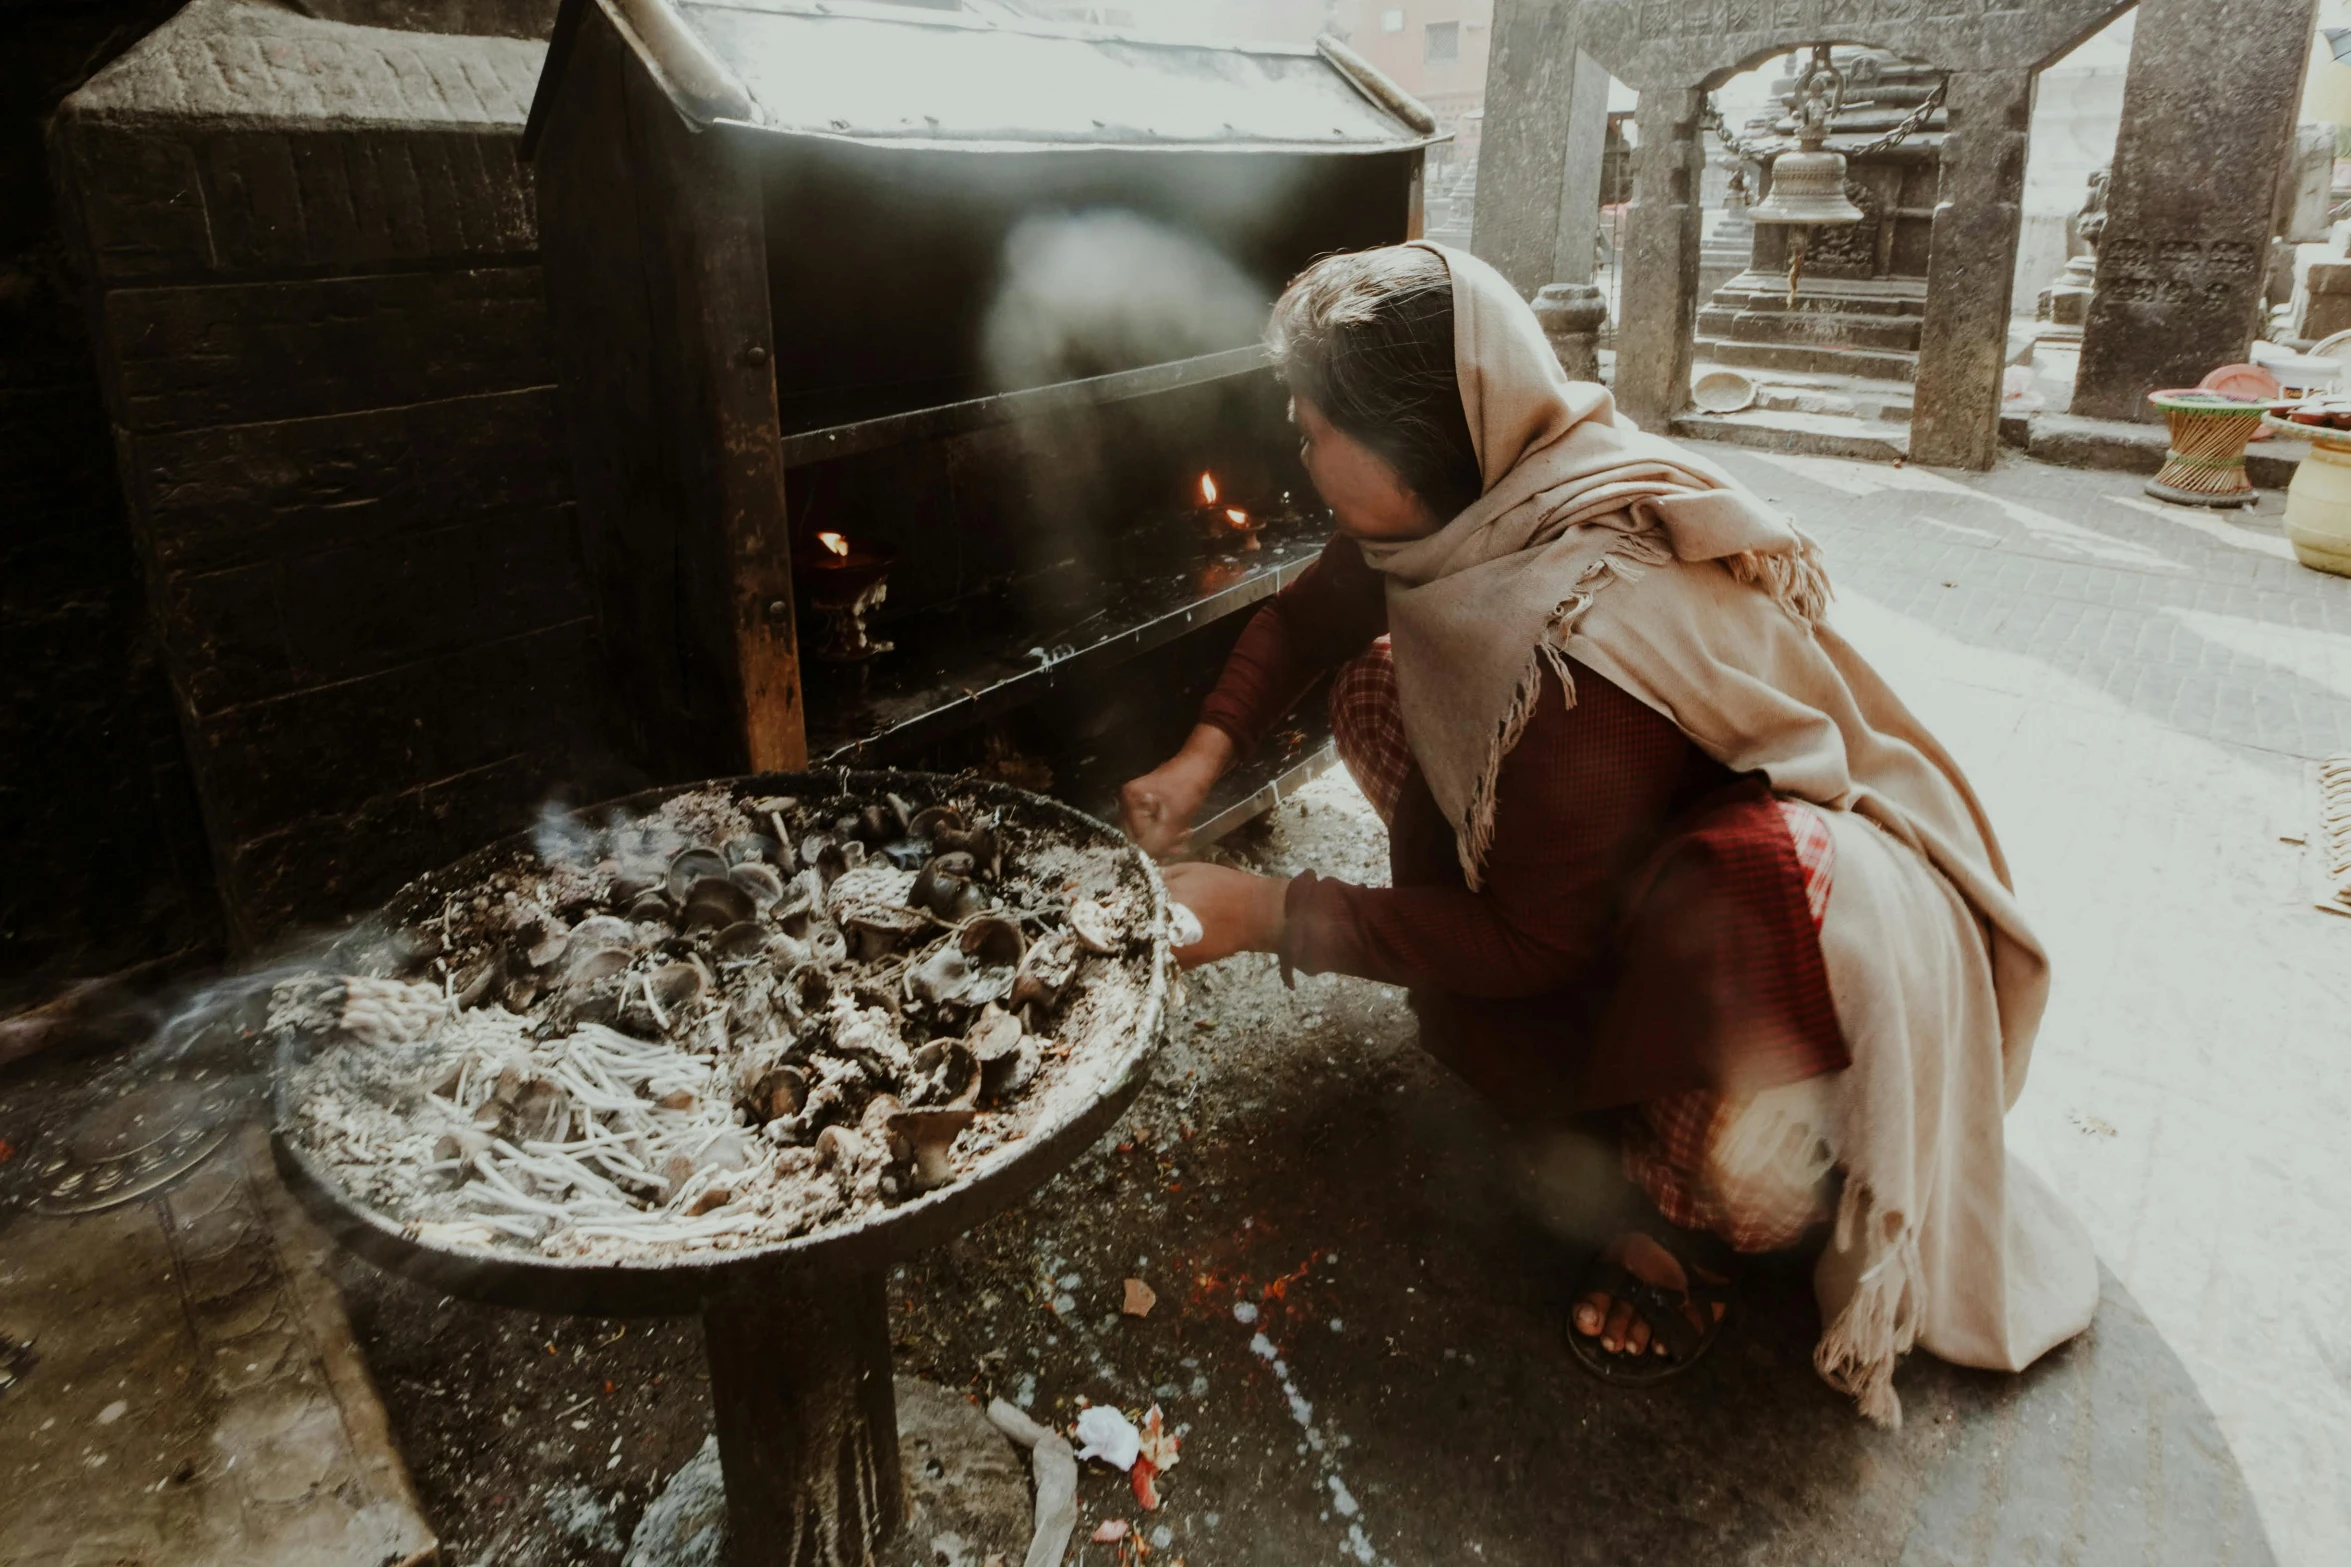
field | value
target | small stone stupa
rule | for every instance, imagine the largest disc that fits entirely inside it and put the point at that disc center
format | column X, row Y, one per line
column 1861, row 301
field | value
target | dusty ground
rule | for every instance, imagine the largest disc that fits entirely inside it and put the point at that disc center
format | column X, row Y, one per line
column 1361, row 1340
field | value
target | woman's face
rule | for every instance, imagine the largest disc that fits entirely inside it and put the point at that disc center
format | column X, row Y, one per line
column 1364, row 494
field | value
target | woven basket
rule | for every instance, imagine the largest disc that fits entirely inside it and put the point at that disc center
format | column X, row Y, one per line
column 2206, row 463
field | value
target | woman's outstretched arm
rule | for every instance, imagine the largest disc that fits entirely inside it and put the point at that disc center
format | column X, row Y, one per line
column 1585, row 795
column 1332, row 612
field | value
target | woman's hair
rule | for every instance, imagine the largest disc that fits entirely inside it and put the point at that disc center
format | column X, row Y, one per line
column 1367, row 337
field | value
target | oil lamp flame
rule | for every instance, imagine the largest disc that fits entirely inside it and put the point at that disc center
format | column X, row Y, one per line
column 1208, row 489
column 1237, row 517
column 833, row 542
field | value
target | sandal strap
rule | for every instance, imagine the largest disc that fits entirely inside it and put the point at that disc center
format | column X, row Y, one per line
column 1666, row 1311
column 1668, row 1315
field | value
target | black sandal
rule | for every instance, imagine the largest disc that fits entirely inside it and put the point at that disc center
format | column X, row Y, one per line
column 1666, row 1311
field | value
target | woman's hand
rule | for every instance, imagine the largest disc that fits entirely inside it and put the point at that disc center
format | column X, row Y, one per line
column 1157, row 808
column 1238, row 912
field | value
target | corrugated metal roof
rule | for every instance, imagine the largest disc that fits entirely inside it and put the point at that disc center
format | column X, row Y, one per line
column 903, row 76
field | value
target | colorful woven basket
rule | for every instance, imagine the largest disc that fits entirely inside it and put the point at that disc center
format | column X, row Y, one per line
column 2206, row 463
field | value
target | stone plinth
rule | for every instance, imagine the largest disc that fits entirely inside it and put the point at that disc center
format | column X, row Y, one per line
column 1572, row 315
column 2208, row 119
column 2065, row 304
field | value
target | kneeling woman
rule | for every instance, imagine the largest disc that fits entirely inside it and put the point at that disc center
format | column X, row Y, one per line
column 1667, row 856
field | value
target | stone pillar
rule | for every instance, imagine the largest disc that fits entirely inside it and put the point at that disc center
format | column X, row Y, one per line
column 1539, row 155
column 1659, row 312
column 1971, row 271
column 2207, row 118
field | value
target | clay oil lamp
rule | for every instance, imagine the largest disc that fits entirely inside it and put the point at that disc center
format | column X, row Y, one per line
column 846, row 583
column 1230, row 528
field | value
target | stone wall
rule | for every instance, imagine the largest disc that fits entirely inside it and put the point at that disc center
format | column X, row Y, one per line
column 327, row 362
column 107, row 865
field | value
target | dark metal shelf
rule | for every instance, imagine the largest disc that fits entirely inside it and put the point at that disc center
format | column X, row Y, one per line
column 1279, row 770
column 948, row 673
column 929, row 424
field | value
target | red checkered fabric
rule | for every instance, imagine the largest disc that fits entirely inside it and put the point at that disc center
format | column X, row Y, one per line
column 1367, row 726
column 1668, row 1143
column 1816, row 852
column 1647, row 931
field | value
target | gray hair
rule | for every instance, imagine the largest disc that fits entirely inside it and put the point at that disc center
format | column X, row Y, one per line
column 1367, row 337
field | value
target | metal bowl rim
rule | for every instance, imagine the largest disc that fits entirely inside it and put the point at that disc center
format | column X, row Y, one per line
column 711, row 1268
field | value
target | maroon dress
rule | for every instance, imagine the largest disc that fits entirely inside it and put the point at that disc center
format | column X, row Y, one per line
column 1643, row 930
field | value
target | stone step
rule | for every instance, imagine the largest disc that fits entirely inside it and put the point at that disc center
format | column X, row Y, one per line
column 1811, row 330
column 1771, row 298
column 1810, row 358
column 1811, row 435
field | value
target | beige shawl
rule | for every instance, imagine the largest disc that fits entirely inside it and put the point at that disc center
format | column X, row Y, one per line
column 1649, row 565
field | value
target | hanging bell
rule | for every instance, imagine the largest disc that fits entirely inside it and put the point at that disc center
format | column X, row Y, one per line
column 1807, row 186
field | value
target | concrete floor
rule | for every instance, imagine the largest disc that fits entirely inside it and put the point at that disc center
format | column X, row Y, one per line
column 2138, row 692
column 1361, row 1341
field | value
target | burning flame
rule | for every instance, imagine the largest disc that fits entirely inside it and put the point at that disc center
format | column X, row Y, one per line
column 1208, row 489
column 833, row 542
column 1237, row 517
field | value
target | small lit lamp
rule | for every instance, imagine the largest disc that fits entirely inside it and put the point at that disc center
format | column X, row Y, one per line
column 1808, row 184
column 846, row 583
column 1229, row 527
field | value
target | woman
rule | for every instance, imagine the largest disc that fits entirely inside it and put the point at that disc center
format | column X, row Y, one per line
column 1667, row 856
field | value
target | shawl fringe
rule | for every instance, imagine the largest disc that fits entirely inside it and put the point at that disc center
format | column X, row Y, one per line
column 1622, row 562
column 1797, row 583
column 1857, row 1352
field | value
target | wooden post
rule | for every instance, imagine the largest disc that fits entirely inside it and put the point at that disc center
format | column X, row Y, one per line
column 807, row 1421
column 654, row 246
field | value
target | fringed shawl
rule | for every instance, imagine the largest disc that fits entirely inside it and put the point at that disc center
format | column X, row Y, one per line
column 1643, row 562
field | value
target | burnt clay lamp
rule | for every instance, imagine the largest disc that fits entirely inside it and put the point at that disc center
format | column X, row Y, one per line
column 1229, row 527
column 847, row 582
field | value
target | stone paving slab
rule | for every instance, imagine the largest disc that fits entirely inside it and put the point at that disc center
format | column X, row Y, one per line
column 199, row 1398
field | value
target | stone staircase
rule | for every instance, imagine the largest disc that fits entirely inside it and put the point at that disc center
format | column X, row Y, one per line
column 1837, row 326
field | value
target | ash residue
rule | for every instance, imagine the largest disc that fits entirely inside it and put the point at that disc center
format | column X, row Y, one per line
column 724, row 1023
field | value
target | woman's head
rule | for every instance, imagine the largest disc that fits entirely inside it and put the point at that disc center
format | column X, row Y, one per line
column 1366, row 343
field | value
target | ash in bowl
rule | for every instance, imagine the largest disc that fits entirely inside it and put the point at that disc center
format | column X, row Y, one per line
column 728, row 1022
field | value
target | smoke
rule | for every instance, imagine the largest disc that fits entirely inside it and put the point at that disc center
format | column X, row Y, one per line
column 1085, row 293
column 561, row 838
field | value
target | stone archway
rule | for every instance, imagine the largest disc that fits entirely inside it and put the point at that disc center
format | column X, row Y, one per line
column 1547, row 54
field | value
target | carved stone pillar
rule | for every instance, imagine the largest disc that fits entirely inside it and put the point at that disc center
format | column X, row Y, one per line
column 1660, row 259
column 2207, row 118
column 1971, row 273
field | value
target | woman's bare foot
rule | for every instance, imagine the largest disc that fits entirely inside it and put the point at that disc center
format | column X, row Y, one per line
column 1614, row 1323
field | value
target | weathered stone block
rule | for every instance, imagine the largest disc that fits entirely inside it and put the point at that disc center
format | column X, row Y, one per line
column 2207, row 121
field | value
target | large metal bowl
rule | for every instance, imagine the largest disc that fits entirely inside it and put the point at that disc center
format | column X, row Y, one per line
column 683, row 1284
